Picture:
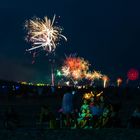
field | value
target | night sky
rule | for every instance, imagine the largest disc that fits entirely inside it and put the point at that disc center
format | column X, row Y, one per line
column 105, row 32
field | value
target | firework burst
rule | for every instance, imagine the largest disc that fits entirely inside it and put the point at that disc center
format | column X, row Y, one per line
column 75, row 67
column 93, row 75
column 43, row 34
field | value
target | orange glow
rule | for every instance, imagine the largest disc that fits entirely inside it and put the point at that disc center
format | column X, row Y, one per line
column 119, row 81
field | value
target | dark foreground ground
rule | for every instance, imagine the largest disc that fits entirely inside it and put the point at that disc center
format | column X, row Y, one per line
column 94, row 134
column 28, row 107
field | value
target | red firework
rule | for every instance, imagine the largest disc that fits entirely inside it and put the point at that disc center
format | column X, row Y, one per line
column 75, row 67
column 133, row 74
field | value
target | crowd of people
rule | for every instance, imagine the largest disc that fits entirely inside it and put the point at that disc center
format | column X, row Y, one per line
column 94, row 112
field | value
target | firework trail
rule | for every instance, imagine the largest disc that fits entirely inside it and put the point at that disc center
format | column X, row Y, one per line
column 119, row 81
column 43, row 34
column 105, row 80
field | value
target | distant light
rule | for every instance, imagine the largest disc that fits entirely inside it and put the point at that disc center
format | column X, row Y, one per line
column 24, row 83
column 30, row 83
column 73, row 92
column 59, row 86
column 40, row 84
column 3, row 86
column 17, row 87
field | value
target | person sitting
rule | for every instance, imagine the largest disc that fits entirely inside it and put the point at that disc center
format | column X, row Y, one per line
column 85, row 105
column 67, row 108
column 95, row 111
column 11, row 119
column 101, row 101
column 44, row 118
column 92, row 102
column 74, row 117
column 88, row 119
column 81, row 119
column 103, row 120
column 134, row 121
